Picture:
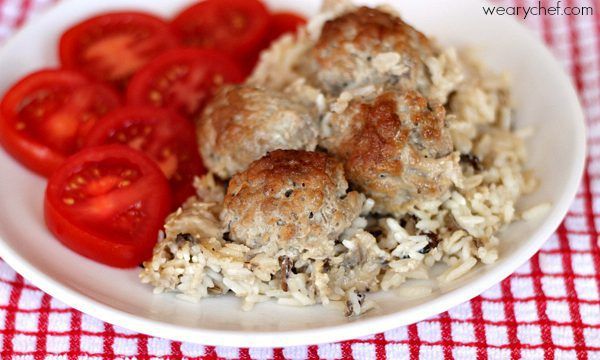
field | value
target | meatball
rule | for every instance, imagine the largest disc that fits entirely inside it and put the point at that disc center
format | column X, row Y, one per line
column 395, row 149
column 367, row 46
column 295, row 200
column 242, row 123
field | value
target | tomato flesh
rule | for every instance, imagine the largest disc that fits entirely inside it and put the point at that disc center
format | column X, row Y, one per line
column 163, row 135
column 282, row 23
column 44, row 117
column 182, row 80
column 108, row 203
column 233, row 26
column 112, row 47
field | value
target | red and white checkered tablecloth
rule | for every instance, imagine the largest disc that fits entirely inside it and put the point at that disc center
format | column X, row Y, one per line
column 549, row 308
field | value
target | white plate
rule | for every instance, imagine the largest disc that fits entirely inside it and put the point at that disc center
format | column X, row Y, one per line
column 545, row 99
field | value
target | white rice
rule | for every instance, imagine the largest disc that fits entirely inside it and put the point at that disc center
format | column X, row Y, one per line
column 458, row 230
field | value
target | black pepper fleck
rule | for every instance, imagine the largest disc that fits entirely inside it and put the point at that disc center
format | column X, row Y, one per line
column 434, row 240
column 472, row 160
column 184, row 237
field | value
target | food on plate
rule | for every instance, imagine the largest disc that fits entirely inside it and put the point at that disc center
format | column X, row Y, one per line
column 236, row 27
column 182, row 80
column 44, row 117
column 242, row 123
column 108, row 203
column 51, row 114
column 396, row 148
column 368, row 46
column 280, row 227
column 418, row 164
column 112, row 47
column 296, row 201
column 358, row 155
column 282, row 23
column 163, row 135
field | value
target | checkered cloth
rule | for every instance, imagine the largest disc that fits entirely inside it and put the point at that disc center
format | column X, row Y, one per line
column 549, row 308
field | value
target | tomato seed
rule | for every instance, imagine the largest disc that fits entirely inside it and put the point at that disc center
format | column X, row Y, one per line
column 155, row 97
column 238, row 21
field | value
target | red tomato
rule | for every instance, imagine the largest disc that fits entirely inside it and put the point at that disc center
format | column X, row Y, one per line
column 112, row 47
column 182, row 80
column 45, row 115
column 234, row 26
column 108, row 203
column 167, row 138
column 279, row 24
column 282, row 23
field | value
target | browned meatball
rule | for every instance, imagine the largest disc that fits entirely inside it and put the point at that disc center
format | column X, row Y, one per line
column 395, row 148
column 242, row 123
column 367, row 46
column 297, row 200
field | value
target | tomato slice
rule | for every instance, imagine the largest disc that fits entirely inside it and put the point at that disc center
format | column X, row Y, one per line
column 233, row 26
column 279, row 23
column 108, row 203
column 163, row 135
column 282, row 23
column 112, row 47
column 182, row 80
column 45, row 115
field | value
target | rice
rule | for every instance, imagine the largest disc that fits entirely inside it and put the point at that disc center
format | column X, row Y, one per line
column 535, row 212
column 195, row 259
